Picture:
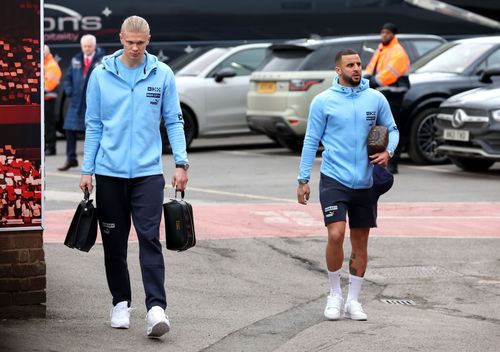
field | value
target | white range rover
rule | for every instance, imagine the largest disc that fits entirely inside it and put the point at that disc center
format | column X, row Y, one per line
column 282, row 88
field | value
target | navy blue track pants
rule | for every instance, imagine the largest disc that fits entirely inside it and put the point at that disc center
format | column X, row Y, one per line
column 119, row 200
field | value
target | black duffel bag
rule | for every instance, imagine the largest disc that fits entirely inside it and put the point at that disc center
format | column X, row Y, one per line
column 179, row 224
column 82, row 232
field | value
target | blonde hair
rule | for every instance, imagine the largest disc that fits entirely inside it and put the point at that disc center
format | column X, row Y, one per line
column 135, row 24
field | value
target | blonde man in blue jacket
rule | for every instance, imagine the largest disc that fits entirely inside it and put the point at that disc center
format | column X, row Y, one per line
column 341, row 118
column 127, row 97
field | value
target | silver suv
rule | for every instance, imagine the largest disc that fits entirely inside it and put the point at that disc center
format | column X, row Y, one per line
column 282, row 88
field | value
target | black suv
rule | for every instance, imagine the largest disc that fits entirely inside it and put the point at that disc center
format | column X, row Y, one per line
column 468, row 126
column 450, row 69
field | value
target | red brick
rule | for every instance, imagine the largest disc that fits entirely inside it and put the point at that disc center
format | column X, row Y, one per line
column 36, row 255
column 10, row 285
column 5, row 270
column 31, row 311
column 38, row 283
column 25, row 298
column 26, row 270
column 5, row 299
column 28, row 240
column 24, row 255
column 6, row 241
column 9, row 256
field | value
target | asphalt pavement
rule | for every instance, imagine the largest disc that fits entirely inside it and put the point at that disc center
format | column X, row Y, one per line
column 268, row 294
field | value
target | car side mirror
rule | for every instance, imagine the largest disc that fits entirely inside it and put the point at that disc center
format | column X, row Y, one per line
column 486, row 75
column 225, row 72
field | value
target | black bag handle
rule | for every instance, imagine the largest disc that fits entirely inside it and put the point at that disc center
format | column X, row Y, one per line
column 86, row 194
column 182, row 194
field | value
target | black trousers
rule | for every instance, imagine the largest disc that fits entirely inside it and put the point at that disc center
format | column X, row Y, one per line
column 395, row 100
column 119, row 199
column 71, row 138
column 50, row 125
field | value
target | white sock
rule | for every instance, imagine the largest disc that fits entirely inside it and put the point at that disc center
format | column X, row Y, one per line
column 355, row 283
column 334, row 277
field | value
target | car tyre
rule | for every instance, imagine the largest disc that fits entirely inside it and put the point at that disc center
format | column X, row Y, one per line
column 423, row 139
column 189, row 131
column 471, row 164
column 292, row 143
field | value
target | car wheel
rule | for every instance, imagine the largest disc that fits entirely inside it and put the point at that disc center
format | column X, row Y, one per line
column 292, row 143
column 189, row 131
column 470, row 164
column 423, row 139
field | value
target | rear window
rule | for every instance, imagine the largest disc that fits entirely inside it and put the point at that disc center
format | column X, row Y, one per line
column 285, row 60
column 455, row 58
column 425, row 45
column 302, row 59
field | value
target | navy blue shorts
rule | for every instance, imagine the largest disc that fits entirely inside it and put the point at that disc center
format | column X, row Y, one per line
column 338, row 201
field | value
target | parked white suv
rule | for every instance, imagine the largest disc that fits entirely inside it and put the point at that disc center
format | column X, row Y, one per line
column 212, row 84
column 282, row 89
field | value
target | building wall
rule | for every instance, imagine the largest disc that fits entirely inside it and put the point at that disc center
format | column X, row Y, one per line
column 22, row 275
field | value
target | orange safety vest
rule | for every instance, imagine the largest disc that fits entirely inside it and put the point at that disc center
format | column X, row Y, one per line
column 52, row 76
column 391, row 62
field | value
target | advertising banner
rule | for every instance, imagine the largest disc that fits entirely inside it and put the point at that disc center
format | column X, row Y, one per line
column 21, row 83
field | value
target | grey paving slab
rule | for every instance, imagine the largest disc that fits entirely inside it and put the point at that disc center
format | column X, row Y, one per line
column 268, row 294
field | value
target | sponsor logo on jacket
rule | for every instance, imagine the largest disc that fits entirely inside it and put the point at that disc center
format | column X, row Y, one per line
column 154, row 93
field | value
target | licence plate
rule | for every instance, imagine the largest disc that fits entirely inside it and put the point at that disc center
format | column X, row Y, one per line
column 456, row 135
column 266, row 87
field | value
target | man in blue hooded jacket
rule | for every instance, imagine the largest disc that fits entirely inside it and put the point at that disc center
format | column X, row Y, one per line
column 127, row 97
column 341, row 118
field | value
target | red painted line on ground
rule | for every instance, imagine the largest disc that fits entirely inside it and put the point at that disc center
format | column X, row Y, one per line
column 220, row 221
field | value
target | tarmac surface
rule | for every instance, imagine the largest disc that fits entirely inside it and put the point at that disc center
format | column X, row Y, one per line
column 268, row 294
column 257, row 284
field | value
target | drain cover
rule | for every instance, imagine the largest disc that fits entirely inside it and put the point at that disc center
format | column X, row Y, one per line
column 404, row 302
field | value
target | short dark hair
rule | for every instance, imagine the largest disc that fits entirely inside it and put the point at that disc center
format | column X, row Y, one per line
column 344, row 52
column 390, row 27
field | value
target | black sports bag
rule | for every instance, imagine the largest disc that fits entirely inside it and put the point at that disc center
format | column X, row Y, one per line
column 179, row 224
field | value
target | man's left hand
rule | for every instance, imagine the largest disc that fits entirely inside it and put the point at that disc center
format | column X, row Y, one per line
column 180, row 179
column 380, row 158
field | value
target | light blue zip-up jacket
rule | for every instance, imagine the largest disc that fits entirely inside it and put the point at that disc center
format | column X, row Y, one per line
column 341, row 118
column 122, row 137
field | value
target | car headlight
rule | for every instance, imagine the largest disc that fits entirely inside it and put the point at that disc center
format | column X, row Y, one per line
column 496, row 115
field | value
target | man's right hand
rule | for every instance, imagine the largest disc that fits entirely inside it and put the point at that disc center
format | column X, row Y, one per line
column 86, row 182
column 303, row 192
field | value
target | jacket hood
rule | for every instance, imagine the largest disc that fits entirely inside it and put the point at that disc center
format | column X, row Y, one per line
column 109, row 62
column 338, row 88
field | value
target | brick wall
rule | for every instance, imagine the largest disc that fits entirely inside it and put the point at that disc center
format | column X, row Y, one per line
column 22, row 275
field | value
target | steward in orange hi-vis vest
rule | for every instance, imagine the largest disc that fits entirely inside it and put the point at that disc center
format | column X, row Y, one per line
column 389, row 63
column 388, row 73
column 52, row 76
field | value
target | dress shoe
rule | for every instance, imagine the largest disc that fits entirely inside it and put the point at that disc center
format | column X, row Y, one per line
column 68, row 165
column 50, row 152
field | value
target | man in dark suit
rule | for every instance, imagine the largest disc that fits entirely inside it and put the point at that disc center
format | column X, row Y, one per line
column 75, row 86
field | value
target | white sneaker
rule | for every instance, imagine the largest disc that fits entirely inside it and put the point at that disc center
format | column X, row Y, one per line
column 120, row 316
column 333, row 309
column 354, row 311
column 158, row 323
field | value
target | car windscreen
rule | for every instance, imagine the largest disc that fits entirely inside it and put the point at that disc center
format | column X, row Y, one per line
column 181, row 61
column 285, row 60
column 196, row 66
column 453, row 58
